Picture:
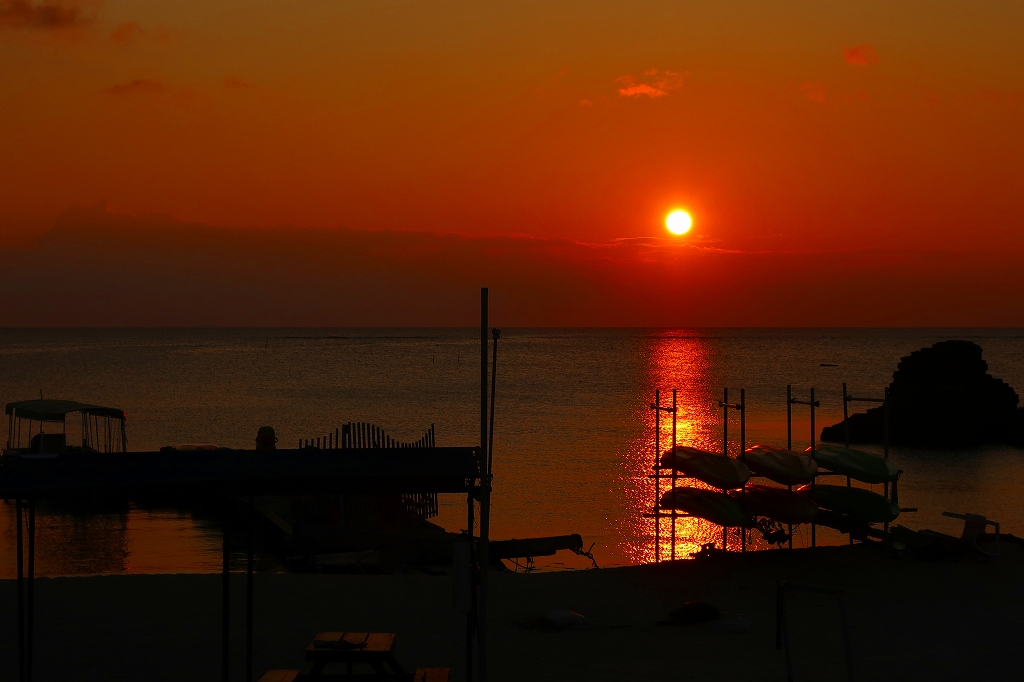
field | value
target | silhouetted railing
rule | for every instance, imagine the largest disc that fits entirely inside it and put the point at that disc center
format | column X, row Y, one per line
column 363, row 436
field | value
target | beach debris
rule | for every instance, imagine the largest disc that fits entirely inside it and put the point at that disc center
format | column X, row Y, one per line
column 737, row 625
column 692, row 612
column 565, row 620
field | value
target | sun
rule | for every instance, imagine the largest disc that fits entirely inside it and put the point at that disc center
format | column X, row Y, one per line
column 678, row 222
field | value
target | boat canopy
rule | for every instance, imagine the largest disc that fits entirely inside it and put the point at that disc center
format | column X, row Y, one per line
column 57, row 410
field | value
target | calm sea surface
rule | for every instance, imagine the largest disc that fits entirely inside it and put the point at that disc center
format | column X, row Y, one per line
column 573, row 436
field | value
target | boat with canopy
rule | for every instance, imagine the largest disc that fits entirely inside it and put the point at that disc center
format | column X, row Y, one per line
column 40, row 427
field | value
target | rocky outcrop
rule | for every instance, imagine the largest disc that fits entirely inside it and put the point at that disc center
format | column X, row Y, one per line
column 942, row 396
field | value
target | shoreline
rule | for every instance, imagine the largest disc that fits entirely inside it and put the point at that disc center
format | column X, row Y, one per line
column 908, row 620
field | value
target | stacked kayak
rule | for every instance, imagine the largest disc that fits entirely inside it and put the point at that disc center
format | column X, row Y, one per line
column 857, row 503
column 711, row 505
column 778, row 504
column 714, row 469
column 780, row 465
column 857, row 464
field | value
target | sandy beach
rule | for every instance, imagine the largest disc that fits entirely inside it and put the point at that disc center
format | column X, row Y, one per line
column 908, row 620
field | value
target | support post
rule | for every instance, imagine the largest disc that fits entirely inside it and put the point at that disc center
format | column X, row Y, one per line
column 725, row 422
column 225, row 599
column 675, row 474
column 21, row 591
column 485, row 493
column 657, row 474
column 743, row 448
column 248, row 593
column 789, row 416
column 472, row 588
column 814, row 526
column 30, row 601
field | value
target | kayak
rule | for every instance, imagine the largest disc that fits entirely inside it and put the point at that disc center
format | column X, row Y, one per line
column 708, row 467
column 861, row 504
column 857, row 464
column 780, row 465
column 710, row 505
column 778, row 504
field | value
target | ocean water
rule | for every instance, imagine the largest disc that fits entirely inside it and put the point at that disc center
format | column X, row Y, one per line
column 574, row 433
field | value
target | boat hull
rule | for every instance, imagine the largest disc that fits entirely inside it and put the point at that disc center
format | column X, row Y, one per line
column 778, row 504
column 714, row 469
column 780, row 465
column 857, row 503
column 709, row 505
column 857, row 464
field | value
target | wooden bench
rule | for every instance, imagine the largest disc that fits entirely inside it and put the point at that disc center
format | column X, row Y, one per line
column 430, row 675
column 280, row 676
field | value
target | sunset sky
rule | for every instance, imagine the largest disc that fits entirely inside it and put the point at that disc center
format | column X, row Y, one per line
column 343, row 162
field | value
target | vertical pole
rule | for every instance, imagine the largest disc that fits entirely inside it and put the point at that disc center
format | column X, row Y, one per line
column 30, row 602
column 657, row 475
column 743, row 421
column 846, row 418
column 21, row 592
column 743, row 448
column 225, row 585
column 248, row 595
column 725, row 452
column 814, row 526
column 675, row 474
column 472, row 590
column 725, row 422
column 885, row 428
column 789, row 416
column 485, row 496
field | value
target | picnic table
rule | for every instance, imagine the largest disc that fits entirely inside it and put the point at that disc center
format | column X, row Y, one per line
column 355, row 648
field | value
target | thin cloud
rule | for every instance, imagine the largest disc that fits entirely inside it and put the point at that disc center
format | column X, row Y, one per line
column 43, row 16
column 131, row 32
column 860, row 55
column 128, row 32
column 237, row 83
column 138, row 86
column 654, row 83
column 814, row 91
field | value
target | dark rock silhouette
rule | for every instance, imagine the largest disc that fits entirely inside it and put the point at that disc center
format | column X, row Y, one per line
column 941, row 396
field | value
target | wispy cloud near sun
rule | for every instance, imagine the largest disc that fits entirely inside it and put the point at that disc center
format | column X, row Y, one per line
column 138, row 86
column 653, row 83
column 44, row 16
column 860, row 55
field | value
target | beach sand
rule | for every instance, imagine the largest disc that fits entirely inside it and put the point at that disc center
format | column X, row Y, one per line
column 908, row 620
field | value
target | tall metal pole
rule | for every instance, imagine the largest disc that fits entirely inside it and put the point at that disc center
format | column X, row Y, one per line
column 30, row 602
column 485, row 493
column 225, row 603
column 743, row 448
column 846, row 418
column 789, row 416
column 725, row 422
column 21, row 592
column 248, row 593
column 814, row 526
column 657, row 474
column 675, row 474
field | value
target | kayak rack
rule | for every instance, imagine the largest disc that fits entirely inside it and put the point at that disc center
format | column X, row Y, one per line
column 812, row 404
column 658, row 513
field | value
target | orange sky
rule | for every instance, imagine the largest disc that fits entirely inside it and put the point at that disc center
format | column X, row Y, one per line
column 839, row 139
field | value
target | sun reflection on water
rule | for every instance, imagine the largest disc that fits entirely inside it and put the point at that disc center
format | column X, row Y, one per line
column 680, row 367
